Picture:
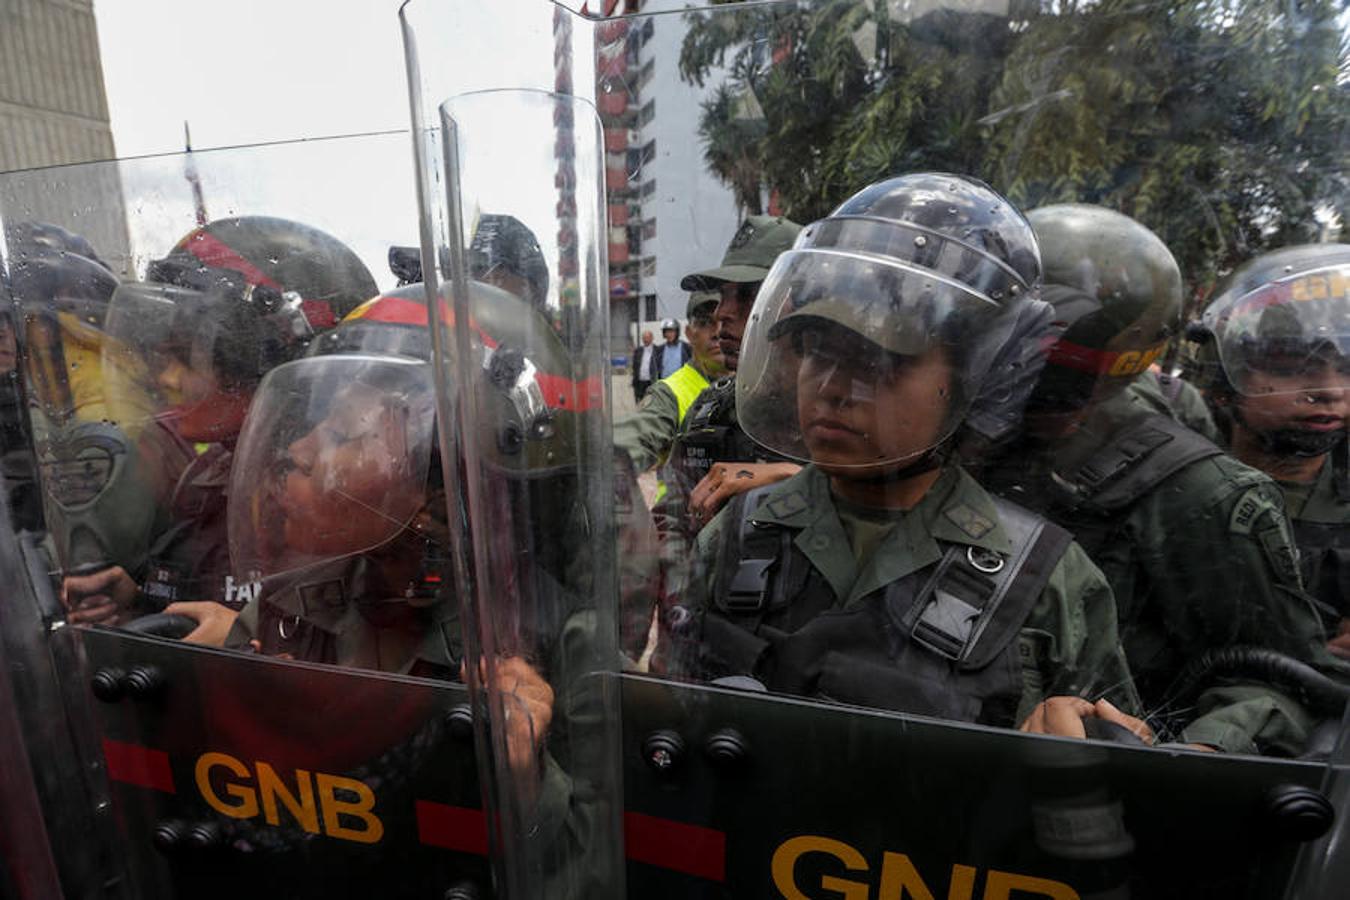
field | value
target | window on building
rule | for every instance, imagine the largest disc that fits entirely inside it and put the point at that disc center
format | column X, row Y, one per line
column 648, row 307
column 649, row 151
column 646, row 73
column 649, row 229
column 649, row 268
column 648, row 29
column 649, row 188
column 647, row 113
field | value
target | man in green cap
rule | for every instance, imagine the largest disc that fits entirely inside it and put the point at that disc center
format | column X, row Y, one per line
column 712, row 458
column 647, row 434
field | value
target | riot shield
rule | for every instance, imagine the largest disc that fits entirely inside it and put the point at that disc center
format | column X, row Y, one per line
column 237, row 759
column 841, row 716
column 509, row 190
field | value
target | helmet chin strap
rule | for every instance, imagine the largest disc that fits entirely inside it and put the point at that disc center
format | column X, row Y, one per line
column 934, row 458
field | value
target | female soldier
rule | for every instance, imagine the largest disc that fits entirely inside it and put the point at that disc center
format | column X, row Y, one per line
column 882, row 574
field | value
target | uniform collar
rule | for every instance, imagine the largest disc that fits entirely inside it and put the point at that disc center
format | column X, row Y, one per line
column 955, row 510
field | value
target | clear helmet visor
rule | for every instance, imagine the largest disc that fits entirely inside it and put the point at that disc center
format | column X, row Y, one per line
column 854, row 361
column 191, row 358
column 1290, row 335
column 333, row 461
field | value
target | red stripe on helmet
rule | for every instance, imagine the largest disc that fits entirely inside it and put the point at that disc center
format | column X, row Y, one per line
column 559, row 391
column 1068, row 355
column 213, row 252
column 217, row 254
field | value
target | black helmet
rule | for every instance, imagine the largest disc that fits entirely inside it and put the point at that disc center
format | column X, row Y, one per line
column 1276, row 315
column 51, row 270
column 234, row 298
column 1116, row 292
column 909, row 265
column 503, row 250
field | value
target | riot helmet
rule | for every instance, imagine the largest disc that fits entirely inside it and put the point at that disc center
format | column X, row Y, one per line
column 1275, row 348
column 1116, row 293
column 905, row 297
column 505, row 253
column 231, row 301
column 338, row 455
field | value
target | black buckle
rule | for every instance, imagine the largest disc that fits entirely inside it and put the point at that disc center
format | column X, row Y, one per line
column 946, row 624
column 749, row 587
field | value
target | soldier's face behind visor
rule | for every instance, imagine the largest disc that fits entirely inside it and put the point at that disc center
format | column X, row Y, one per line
column 862, row 408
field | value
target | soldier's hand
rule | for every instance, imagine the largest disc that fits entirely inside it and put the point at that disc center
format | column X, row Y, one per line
column 528, row 703
column 214, row 620
column 1340, row 644
column 101, row 598
column 726, row 480
column 1064, row 716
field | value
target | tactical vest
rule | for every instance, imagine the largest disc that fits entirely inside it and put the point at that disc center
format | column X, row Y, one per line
column 1089, row 499
column 942, row 641
column 710, row 433
column 1322, row 533
column 191, row 559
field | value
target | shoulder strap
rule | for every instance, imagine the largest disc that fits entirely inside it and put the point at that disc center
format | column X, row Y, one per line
column 746, row 556
column 975, row 602
column 1141, row 457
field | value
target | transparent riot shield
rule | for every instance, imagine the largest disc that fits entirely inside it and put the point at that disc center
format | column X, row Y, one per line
column 846, row 691
column 275, row 710
column 510, row 190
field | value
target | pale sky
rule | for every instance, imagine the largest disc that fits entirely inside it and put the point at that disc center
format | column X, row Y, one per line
column 257, row 71
column 246, row 71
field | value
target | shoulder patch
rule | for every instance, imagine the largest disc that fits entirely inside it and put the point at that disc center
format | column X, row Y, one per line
column 1280, row 551
column 969, row 521
column 1249, row 509
column 787, row 505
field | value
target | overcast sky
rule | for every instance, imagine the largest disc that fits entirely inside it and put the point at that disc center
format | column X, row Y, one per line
column 245, row 71
column 255, row 71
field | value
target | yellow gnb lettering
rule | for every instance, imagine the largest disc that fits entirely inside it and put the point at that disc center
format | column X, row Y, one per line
column 362, row 808
column 246, row 806
column 785, row 863
column 1000, row 886
column 272, row 788
column 900, row 880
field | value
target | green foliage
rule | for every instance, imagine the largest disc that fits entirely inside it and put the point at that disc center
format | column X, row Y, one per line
column 1221, row 124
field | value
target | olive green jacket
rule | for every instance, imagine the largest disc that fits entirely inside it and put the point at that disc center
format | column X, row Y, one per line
column 1068, row 642
column 1204, row 561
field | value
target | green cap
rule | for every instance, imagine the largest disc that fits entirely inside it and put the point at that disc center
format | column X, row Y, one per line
column 700, row 299
column 890, row 330
column 750, row 255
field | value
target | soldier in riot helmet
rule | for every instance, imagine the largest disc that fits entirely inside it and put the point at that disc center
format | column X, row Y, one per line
column 230, row 301
column 1147, row 498
column 1274, row 363
column 881, row 574
column 339, row 502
